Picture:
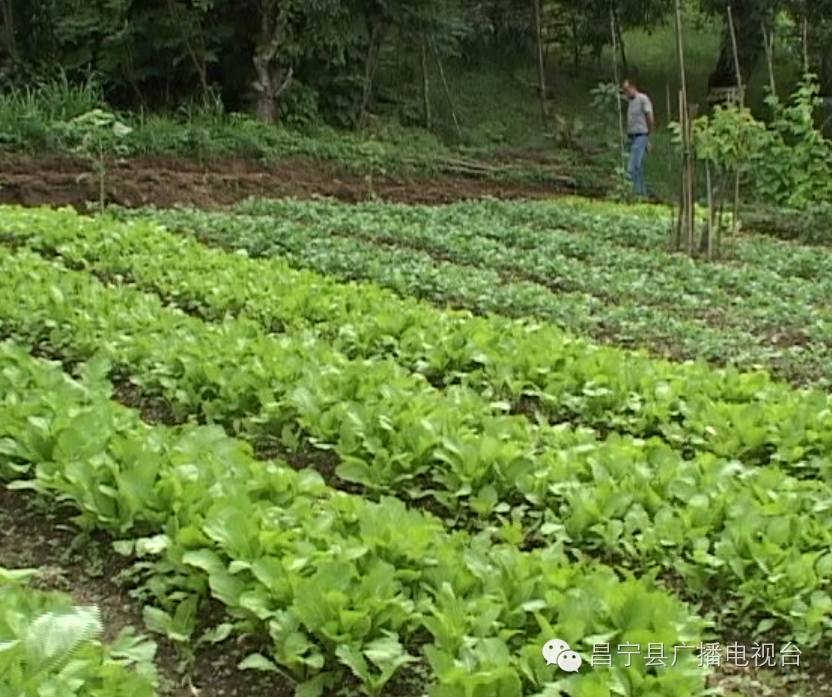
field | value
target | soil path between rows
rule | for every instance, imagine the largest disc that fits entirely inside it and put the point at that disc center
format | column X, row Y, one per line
column 62, row 181
column 36, row 535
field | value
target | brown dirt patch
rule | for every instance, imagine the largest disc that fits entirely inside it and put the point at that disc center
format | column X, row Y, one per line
column 815, row 681
column 167, row 182
column 32, row 536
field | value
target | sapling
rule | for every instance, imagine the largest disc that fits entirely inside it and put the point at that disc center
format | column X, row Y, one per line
column 95, row 135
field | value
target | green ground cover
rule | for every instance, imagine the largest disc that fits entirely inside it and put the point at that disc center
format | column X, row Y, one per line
column 591, row 268
column 49, row 646
column 530, row 464
column 334, row 584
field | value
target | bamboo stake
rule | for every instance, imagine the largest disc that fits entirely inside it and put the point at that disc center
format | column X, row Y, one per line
column 617, row 79
column 720, row 220
column 669, row 120
column 687, row 213
column 425, row 85
column 710, row 210
column 680, row 49
column 691, row 202
column 680, row 222
column 541, row 64
column 768, row 43
column 736, row 54
column 670, row 163
column 742, row 104
column 447, row 90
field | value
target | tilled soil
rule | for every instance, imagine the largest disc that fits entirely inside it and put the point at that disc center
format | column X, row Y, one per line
column 167, row 182
column 32, row 536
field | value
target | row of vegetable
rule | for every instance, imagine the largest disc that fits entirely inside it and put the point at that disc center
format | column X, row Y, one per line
column 694, row 408
column 50, row 646
column 339, row 589
column 569, row 259
column 744, row 315
column 754, row 538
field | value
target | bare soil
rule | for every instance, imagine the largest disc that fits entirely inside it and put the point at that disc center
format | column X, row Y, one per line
column 167, row 182
column 32, row 536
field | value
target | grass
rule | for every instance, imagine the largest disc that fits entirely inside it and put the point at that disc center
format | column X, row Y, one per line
column 206, row 131
column 493, row 97
column 498, row 109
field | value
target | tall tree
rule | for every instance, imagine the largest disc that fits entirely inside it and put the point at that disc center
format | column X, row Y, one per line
column 586, row 26
column 750, row 16
column 272, row 67
column 818, row 15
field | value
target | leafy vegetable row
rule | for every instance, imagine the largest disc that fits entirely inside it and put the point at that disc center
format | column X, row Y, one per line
column 670, row 302
column 755, row 538
column 334, row 584
column 49, row 646
column 691, row 407
column 414, row 273
column 749, row 298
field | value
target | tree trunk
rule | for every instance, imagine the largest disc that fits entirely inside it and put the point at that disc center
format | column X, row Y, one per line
column 272, row 78
column 576, row 44
column 425, row 85
column 376, row 32
column 266, row 103
column 198, row 59
column 8, row 33
column 749, row 33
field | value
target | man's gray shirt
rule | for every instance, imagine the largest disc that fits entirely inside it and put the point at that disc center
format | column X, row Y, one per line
column 640, row 107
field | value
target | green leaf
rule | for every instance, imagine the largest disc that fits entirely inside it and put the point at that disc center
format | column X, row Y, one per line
column 256, row 661
column 351, row 657
column 54, row 636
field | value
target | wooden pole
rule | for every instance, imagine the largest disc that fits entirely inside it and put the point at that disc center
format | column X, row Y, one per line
column 447, row 90
column 541, row 64
column 669, row 120
column 670, row 159
column 680, row 49
column 710, row 210
column 687, row 216
column 617, row 78
column 720, row 215
column 680, row 222
column 425, row 85
column 620, row 39
column 742, row 104
column 736, row 55
column 768, row 44
column 805, row 46
column 691, row 202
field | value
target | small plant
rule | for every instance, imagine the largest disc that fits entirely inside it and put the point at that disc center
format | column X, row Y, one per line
column 622, row 188
column 795, row 166
column 50, row 647
column 567, row 132
column 787, row 162
column 96, row 135
column 605, row 96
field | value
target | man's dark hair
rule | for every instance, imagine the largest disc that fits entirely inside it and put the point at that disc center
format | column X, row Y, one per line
column 632, row 79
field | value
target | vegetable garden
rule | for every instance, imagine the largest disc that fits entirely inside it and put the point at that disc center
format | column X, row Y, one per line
column 402, row 447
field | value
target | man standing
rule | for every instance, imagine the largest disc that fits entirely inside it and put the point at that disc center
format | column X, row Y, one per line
column 640, row 124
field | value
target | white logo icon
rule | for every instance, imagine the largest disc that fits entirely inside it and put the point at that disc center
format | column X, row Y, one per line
column 557, row 652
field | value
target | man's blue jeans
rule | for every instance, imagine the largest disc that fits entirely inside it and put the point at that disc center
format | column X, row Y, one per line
column 638, row 154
